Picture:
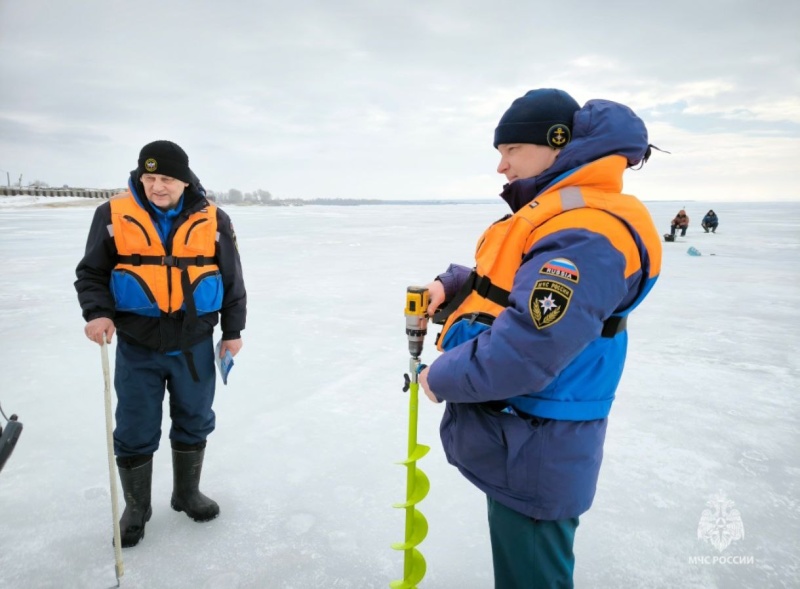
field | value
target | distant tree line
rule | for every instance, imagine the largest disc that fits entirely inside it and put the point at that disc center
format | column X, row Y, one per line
column 235, row 196
column 263, row 197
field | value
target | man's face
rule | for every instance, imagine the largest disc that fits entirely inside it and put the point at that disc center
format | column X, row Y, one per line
column 163, row 191
column 524, row 160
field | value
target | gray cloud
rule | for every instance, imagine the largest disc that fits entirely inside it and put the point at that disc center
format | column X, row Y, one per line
column 365, row 99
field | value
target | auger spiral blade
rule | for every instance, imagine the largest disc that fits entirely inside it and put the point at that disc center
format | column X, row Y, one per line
column 416, row 573
column 418, row 491
column 418, row 533
column 417, row 488
column 420, row 451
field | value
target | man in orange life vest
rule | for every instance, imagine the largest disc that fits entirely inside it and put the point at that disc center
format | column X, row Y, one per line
column 161, row 265
column 534, row 336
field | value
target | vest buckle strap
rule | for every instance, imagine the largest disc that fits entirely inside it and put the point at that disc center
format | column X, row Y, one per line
column 184, row 262
column 139, row 260
column 482, row 285
column 169, row 261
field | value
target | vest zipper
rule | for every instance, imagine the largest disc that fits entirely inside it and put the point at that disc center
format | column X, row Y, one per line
column 191, row 227
column 168, row 249
column 169, row 288
column 135, row 222
column 145, row 288
column 184, row 215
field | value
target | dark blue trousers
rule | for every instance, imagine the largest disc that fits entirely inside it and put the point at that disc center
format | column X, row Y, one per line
column 674, row 228
column 141, row 377
column 528, row 553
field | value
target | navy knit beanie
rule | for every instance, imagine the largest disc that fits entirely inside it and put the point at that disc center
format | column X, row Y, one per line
column 541, row 117
column 165, row 157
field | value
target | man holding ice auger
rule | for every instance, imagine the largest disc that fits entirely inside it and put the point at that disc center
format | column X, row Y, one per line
column 534, row 336
column 161, row 266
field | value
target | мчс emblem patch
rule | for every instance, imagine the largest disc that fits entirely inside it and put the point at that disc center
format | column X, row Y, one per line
column 151, row 165
column 562, row 268
column 549, row 302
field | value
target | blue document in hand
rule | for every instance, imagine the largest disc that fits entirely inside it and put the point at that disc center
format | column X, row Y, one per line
column 225, row 363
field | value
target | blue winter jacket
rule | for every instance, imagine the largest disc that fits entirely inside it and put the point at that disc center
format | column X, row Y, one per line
column 545, row 463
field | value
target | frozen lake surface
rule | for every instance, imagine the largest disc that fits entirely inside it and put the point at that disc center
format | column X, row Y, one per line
column 313, row 417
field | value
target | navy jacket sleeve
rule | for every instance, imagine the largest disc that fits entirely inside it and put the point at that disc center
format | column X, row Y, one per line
column 453, row 278
column 94, row 270
column 234, row 301
column 514, row 357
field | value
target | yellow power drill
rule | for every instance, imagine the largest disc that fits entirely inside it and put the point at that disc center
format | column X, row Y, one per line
column 417, row 298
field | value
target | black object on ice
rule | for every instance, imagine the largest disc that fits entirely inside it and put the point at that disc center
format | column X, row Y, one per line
column 8, row 437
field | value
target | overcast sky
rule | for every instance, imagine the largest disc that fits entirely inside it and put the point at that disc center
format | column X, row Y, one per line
column 378, row 99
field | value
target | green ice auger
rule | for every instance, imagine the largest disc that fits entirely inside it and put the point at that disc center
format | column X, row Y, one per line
column 417, row 484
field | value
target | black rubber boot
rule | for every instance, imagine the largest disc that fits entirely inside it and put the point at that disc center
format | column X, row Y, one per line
column 136, row 475
column 187, row 464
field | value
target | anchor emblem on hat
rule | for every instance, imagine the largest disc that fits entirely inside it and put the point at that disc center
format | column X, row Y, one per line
column 558, row 135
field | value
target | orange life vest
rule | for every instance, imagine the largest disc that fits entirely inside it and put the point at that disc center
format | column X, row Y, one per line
column 162, row 275
column 586, row 199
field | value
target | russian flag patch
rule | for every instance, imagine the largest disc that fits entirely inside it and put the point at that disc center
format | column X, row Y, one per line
column 561, row 268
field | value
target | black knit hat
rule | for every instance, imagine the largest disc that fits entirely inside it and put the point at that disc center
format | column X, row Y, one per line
column 167, row 158
column 542, row 117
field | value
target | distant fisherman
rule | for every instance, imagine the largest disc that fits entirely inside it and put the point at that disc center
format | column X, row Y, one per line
column 161, row 265
column 534, row 336
column 681, row 221
column 710, row 221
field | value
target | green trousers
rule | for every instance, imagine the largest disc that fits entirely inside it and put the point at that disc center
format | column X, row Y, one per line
column 529, row 553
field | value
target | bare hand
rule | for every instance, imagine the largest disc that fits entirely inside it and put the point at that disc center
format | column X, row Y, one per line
column 231, row 345
column 435, row 296
column 95, row 329
column 423, row 382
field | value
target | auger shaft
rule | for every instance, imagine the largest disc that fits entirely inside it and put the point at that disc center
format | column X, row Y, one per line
column 411, row 470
